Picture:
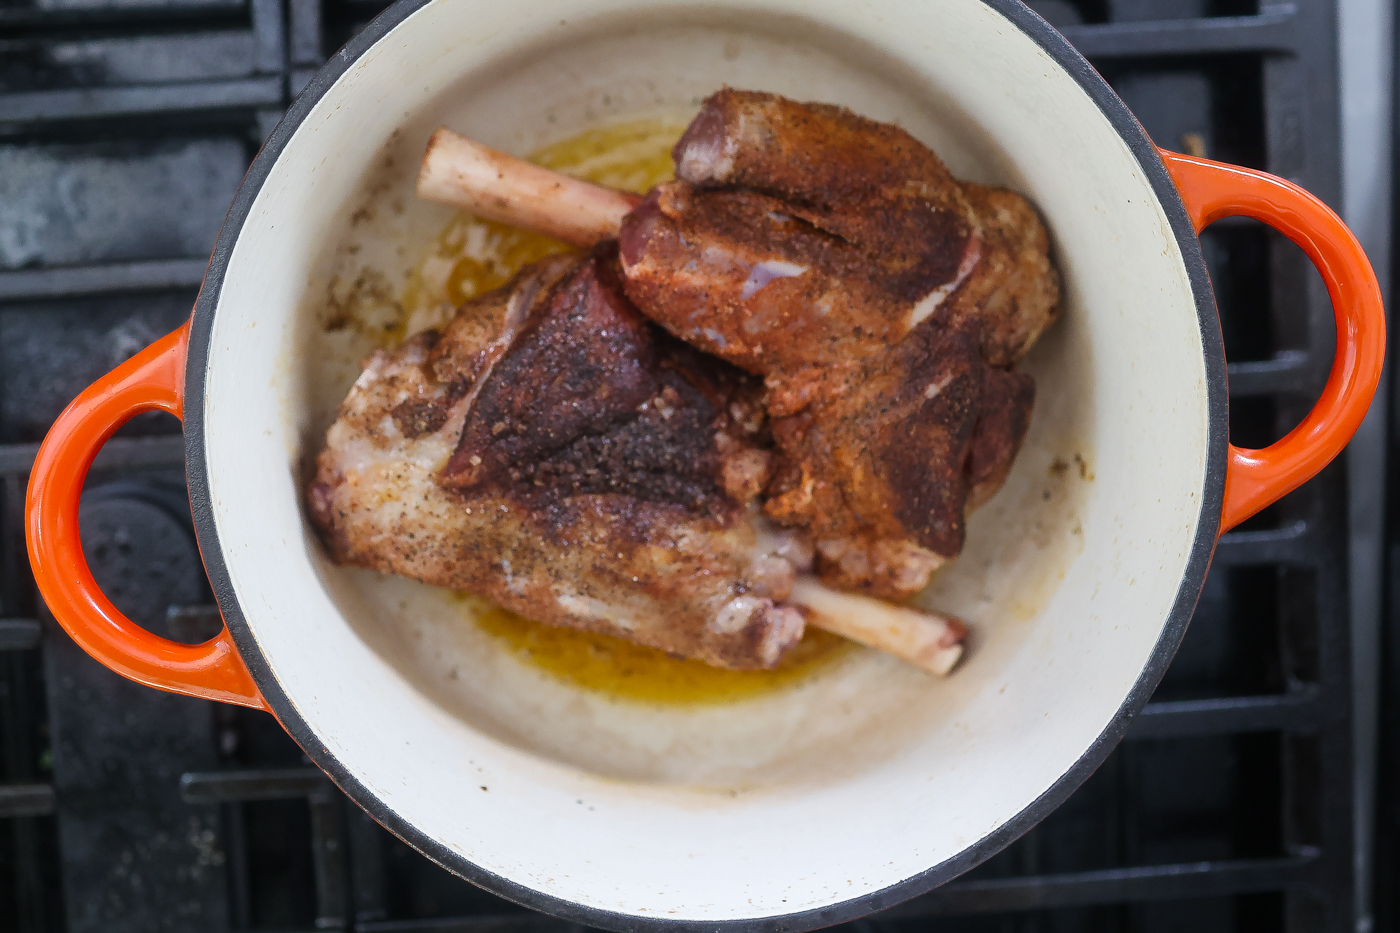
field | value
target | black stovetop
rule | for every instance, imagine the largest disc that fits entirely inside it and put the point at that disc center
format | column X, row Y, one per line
column 125, row 127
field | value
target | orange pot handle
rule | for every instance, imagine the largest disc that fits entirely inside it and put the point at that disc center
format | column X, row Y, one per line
column 1212, row 190
column 151, row 380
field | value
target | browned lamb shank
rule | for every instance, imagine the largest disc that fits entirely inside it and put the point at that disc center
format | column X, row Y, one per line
column 882, row 301
column 554, row 451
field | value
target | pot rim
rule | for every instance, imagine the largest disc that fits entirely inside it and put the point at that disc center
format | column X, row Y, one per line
column 1202, row 548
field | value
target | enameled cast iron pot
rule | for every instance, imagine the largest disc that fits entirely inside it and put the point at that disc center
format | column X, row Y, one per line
column 869, row 783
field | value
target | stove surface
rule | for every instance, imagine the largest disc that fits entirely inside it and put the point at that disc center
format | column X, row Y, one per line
column 125, row 128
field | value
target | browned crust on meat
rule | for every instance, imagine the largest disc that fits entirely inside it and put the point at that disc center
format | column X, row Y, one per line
column 600, row 504
column 882, row 301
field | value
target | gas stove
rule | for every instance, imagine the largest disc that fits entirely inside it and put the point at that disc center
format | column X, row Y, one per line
column 1241, row 799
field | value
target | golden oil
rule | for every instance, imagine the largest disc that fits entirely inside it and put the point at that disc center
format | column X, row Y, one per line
column 621, row 669
column 471, row 256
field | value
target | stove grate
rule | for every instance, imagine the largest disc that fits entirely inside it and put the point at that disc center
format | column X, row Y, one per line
column 1229, row 806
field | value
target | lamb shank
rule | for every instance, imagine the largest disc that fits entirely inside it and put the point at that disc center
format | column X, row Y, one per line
column 554, row 451
column 795, row 357
column 882, row 301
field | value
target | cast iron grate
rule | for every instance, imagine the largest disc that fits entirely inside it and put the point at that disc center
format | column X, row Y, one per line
column 124, row 129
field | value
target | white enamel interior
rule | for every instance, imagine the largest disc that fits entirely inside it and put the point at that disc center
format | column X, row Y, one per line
column 869, row 774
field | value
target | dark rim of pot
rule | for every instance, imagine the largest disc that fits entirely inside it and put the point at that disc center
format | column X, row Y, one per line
column 1202, row 548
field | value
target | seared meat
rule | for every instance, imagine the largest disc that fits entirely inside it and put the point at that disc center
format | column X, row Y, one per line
column 557, row 453
column 881, row 300
column 554, row 450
